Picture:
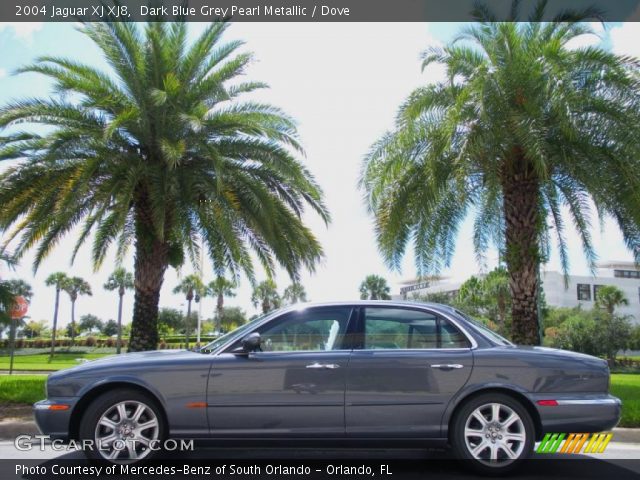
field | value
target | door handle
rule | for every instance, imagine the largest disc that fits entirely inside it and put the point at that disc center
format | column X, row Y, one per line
column 329, row 366
column 447, row 366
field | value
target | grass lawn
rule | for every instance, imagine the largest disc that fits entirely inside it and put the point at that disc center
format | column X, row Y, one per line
column 41, row 361
column 21, row 388
column 627, row 388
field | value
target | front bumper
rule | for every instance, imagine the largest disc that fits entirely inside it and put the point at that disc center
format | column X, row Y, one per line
column 51, row 419
column 583, row 414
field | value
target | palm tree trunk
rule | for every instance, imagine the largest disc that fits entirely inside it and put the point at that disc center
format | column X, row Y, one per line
column 149, row 274
column 186, row 324
column 502, row 314
column 119, row 337
column 521, row 214
column 73, row 322
column 219, row 307
column 151, row 261
column 55, row 324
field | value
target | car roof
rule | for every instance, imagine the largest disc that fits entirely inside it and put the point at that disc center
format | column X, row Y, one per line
column 437, row 307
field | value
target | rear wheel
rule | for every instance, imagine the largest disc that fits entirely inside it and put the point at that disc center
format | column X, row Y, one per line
column 124, row 426
column 493, row 432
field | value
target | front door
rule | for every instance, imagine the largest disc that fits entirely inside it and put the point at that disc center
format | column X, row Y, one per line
column 294, row 387
column 409, row 365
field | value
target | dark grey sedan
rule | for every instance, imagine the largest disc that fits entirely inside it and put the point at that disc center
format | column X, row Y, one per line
column 357, row 372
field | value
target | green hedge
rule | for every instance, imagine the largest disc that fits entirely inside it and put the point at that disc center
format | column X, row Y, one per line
column 98, row 342
column 64, row 342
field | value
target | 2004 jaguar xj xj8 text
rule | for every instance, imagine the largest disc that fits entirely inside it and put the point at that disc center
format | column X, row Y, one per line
column 357, row 372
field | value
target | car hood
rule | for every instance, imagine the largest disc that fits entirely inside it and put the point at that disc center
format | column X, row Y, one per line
column 128, row 359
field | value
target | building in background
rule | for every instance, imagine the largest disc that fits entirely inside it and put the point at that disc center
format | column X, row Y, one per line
column 427, row 285
column 580, row 290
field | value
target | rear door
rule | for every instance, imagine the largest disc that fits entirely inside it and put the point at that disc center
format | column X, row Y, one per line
column 407, row 366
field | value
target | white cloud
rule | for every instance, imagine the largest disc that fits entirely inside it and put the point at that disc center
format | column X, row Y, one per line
column 22, row 30
column 591, row 39
column 3, row 73
column 625, row 39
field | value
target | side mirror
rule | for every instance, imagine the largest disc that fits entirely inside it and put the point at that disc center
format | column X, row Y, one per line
column 251, row 343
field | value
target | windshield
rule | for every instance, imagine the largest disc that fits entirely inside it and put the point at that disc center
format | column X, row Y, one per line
column 218, row 342
column 484, row 330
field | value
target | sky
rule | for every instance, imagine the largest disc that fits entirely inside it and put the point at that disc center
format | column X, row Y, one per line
column 343, row 83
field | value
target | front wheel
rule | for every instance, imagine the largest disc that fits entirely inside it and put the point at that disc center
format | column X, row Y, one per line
column 493, row 433
column 124, row 426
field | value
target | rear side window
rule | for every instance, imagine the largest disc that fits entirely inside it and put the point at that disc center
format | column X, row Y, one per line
column 400, row 328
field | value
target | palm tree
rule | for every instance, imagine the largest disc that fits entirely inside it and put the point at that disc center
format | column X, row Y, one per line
column 119, row 280
column 496, row 287
column 6, row 295
column 374, row 287
column 523, row 127
column 157, row 153
column 20, row 288
column 191, row 286
column 609, row 297
column 294, row 293
column 266, row 295
column 75, row 286
column 221, row 287
column 471, row 293
column 57, row 280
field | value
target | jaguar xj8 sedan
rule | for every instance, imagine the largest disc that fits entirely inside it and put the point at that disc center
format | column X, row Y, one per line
column 340, row 373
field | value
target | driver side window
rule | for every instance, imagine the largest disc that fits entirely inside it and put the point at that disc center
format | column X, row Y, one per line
column 322, row 329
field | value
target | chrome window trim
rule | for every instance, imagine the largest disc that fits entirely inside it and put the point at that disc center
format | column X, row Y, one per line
column 472, row 341
column 364, row 304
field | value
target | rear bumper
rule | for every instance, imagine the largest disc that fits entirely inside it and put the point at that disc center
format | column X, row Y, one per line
column 52, row 422
column 584, row 414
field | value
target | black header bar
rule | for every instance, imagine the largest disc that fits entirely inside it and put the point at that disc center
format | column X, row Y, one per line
column 297, row 11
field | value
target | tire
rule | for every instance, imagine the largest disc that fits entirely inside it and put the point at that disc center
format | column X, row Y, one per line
column 492, row 447
column 121, row 424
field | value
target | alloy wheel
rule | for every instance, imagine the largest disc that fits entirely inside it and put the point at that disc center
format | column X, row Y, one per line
column 127, row 431
column 495, row 433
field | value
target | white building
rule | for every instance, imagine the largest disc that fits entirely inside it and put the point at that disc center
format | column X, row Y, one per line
column 581, row 290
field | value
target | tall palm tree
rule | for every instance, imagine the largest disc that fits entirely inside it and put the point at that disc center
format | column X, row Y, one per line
column 523, row 127
column 294, row 293
column 266, row 295
column 374, row 287
column 119, row 280
column 190, row 286
column 57, row 280
column 157, row 153
column 75, row 286
column 221, row 287
column 609, row 297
